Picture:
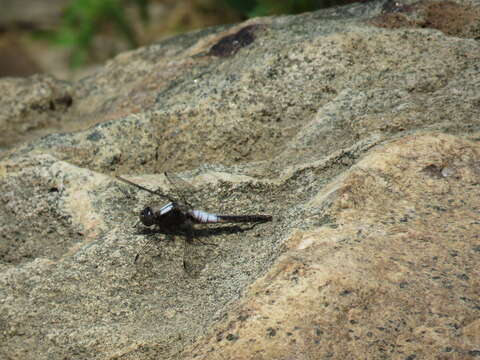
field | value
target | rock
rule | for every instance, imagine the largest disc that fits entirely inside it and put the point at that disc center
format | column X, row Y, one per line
column 392, row 273
column 32, row 106
column 360, row 138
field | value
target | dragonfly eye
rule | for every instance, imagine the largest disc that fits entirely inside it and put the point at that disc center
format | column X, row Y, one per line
column 147, row 217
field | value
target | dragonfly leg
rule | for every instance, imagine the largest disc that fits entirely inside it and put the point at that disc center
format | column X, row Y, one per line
column 205, row 243
column 153, row 241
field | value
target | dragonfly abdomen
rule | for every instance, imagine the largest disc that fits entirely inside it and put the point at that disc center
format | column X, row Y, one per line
column 244, row 218
column 204, row 217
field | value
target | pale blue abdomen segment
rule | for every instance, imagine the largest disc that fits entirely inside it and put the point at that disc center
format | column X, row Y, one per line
column 204, row 217
column 166, row 209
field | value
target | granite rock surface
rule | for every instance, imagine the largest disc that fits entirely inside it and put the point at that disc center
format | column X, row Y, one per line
column 357, row 128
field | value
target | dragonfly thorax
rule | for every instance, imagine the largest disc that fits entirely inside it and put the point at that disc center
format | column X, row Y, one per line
column 167, row 216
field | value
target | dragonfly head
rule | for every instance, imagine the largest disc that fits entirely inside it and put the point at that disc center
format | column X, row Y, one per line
column 147, row 217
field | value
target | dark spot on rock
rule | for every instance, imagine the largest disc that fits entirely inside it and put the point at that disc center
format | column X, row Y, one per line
column 394, row 6
column 230, row 44
column 65, row 100
column 454, row 325
column 51, row 105
column 345, row 292
column 242, row 317
column 474, row 353
column 271, row 332
column 95, row 136
column 463, row 277
column 403, row 284
column 410, row 357
column 231, row 337
column 433, row 171
column 53, row 189
column 438, row 208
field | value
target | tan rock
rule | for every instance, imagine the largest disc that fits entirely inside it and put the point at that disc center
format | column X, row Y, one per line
column 360, row 140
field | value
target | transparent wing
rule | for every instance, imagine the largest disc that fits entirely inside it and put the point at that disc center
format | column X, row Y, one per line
column 183, row 189
column 195, row 254
column 155, row 192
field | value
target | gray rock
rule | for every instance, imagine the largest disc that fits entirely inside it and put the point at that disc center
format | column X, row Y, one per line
column 31, row 107
column 358, row 135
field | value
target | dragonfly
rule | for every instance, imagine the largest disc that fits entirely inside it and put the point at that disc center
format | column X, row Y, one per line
column 178, row 217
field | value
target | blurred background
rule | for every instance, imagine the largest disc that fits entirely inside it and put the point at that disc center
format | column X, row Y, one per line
column 68, row 38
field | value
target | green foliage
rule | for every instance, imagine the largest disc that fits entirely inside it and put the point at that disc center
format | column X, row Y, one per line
column 252, row 8
column 83, row 19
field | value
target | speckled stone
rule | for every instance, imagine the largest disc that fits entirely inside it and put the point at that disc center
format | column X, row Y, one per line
column 357, row 128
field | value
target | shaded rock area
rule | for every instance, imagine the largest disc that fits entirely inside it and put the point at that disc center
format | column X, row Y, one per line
column 357, row 128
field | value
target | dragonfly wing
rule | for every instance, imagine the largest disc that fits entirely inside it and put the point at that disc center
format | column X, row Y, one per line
column 195, row 254
column 154, row 192
column 183, row 189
